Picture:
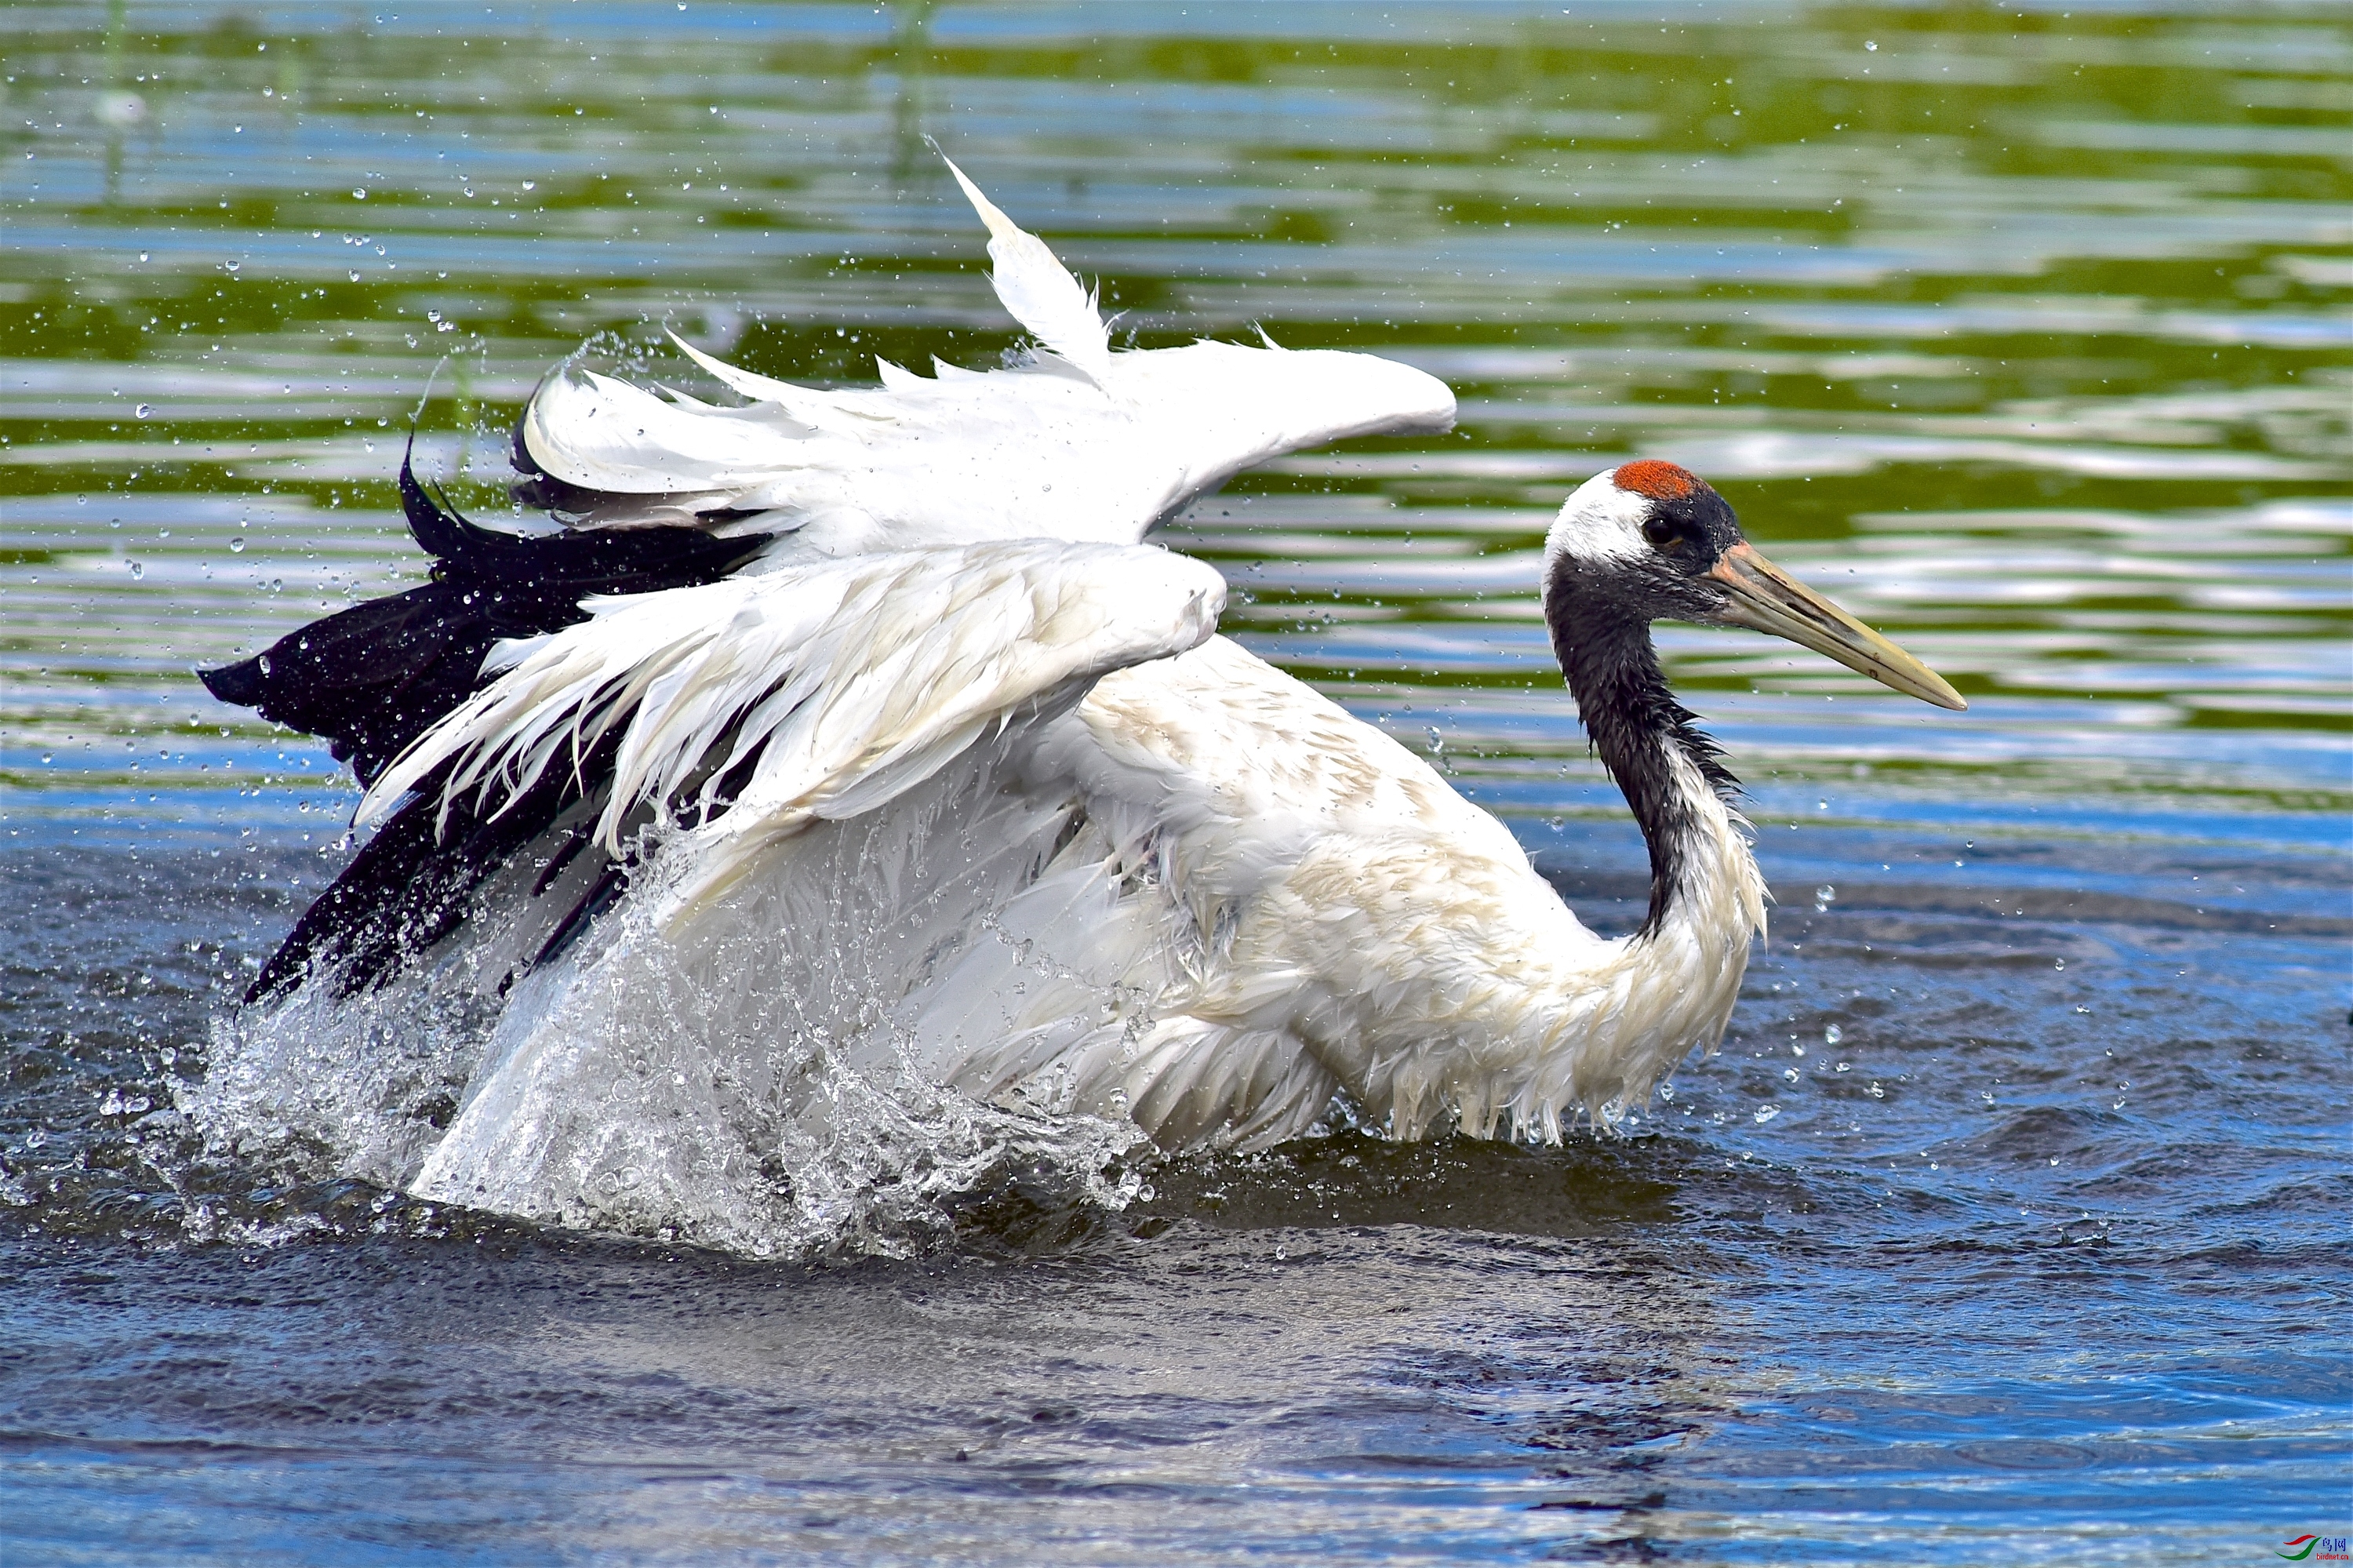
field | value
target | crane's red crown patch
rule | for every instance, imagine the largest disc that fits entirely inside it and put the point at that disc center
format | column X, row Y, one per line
column 1659, row 481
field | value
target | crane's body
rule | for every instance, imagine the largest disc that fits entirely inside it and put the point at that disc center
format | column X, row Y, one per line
column 950, row 776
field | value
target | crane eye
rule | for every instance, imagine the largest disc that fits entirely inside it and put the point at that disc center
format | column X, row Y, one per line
column 1659, row 531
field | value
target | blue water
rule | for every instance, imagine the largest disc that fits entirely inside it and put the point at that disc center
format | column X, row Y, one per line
column 2009, row 1224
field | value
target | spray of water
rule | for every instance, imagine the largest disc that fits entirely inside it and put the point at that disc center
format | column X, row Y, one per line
column 750, row 1088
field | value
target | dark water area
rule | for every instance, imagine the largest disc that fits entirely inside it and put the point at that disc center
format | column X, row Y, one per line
column 2009, row 1224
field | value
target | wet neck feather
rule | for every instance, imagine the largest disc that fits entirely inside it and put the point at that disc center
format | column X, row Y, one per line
column 1671, row 774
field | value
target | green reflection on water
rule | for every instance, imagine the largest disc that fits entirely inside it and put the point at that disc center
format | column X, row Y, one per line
column 2026, row 335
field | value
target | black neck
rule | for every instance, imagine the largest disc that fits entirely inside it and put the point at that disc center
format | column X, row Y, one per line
column 1637, row 729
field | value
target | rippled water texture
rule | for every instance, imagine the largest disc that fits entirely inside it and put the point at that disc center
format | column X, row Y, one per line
column 2008, row 1225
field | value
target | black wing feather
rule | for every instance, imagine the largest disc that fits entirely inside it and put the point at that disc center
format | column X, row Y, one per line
column 373, row 678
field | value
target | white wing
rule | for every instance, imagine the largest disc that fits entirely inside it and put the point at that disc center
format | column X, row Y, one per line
column 836, row 687
column 1080, row 444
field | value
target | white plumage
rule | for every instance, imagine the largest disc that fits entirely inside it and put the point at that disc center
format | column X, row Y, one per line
column 1233, row 898
column 1075, row 442
column 841, row 683
column 954, row 780
column 1041, row 295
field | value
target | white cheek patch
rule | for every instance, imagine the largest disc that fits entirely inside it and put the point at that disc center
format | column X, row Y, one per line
column 1599, row 522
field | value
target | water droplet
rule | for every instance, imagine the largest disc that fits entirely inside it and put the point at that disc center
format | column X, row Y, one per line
column 237, row 546
column 138, row 569
column 144, row 410
column 356, row 277
column 1832, row 1035
column 531, row 184
column 1826, row 894
column 1766, row 1114
column 1790, row 1074
column 359, row 193
column 1867, row 43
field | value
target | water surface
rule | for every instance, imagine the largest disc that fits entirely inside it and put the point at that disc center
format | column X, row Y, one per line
column 2009, row 1223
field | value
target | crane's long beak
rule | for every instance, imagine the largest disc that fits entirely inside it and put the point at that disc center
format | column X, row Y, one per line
column 1766, row 598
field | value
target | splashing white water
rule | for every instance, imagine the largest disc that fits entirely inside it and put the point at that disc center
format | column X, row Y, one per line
column 742, row 1090
column 649, row 1128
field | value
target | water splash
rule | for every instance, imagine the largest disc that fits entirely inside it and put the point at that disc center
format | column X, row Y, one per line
column 744, row 1089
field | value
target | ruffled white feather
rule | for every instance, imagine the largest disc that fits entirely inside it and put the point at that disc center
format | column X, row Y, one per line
column 850, row 680
column 1038, row 292
column 1080, row 443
